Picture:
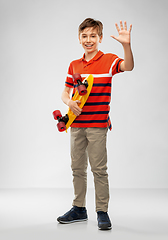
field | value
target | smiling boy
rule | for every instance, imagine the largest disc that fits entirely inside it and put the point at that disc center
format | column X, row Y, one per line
column 89, row 130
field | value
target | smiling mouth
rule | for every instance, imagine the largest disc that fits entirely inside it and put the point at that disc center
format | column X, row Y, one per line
column 88, row 45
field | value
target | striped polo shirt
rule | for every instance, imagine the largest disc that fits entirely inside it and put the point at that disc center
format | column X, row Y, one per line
column 103, row 67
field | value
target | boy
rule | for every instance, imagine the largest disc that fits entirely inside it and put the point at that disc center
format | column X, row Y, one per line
column 89, row 130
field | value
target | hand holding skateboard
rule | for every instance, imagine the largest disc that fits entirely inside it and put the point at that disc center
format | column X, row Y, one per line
column 74, row 106
column 76, row 103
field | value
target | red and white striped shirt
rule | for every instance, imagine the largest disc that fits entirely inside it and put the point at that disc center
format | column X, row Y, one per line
column 103, row 67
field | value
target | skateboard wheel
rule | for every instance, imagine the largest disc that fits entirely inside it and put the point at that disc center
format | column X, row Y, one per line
column 82, row 90
column 61, row 126
column 77, row 77
column 57, row 114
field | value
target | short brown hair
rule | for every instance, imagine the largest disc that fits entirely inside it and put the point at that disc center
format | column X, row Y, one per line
column 90, row 22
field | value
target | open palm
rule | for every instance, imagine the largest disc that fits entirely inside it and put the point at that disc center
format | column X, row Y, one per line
column 124, row 34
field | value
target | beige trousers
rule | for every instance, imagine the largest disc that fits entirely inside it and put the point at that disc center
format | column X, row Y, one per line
column 90, row 142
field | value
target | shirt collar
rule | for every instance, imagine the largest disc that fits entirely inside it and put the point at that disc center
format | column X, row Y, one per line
column 96, row 57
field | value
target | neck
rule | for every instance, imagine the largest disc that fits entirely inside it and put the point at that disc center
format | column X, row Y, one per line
column 89, row 56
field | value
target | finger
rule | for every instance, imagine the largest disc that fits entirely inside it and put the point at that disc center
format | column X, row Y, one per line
column 130, row 28
column 117, row 27
column 121, row 25
column 125, row 25
column 78, row 111
column 114, row 37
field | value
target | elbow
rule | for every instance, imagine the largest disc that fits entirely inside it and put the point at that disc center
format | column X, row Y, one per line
column 132, row 65
column 127, row 66
column 130, row 68
column 62, row 96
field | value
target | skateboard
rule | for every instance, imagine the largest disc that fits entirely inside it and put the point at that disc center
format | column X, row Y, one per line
column 82, row 93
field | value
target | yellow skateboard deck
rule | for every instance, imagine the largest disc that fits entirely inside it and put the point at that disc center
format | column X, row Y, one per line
column 82, row 99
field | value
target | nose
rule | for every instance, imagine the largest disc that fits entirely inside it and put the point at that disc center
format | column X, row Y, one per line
column 88, row 38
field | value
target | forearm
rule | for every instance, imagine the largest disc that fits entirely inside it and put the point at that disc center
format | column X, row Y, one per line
column 128, row 63
column 65, row 97
column 73, row 105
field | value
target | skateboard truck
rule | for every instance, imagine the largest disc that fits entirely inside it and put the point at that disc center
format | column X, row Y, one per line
column 62, row 120
column 81, row 87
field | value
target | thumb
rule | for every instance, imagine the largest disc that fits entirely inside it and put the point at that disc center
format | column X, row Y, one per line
column 113, row 37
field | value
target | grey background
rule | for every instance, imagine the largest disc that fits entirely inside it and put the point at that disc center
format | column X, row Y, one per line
column 38, row 41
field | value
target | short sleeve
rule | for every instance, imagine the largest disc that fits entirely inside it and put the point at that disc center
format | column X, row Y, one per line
column 69, row 78
column 115, row 67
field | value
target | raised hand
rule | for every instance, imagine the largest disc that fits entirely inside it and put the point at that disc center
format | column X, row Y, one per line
column 124, row 34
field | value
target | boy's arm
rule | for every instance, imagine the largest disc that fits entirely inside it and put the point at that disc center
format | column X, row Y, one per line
column 124, row 39
column 72, row 104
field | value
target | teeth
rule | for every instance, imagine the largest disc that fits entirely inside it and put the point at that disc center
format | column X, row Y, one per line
column 88, row 45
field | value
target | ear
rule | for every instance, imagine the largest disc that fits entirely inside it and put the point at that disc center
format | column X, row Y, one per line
column 100, row 39
column 79, row 39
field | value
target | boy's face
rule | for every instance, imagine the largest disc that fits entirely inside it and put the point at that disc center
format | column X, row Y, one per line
column 89, row 39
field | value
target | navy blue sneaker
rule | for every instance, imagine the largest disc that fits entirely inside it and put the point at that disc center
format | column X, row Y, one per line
column 76, row 214
column 103, row 221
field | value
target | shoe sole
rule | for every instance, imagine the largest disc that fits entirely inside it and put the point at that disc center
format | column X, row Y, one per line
column 105, row 228
column 73, row 221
